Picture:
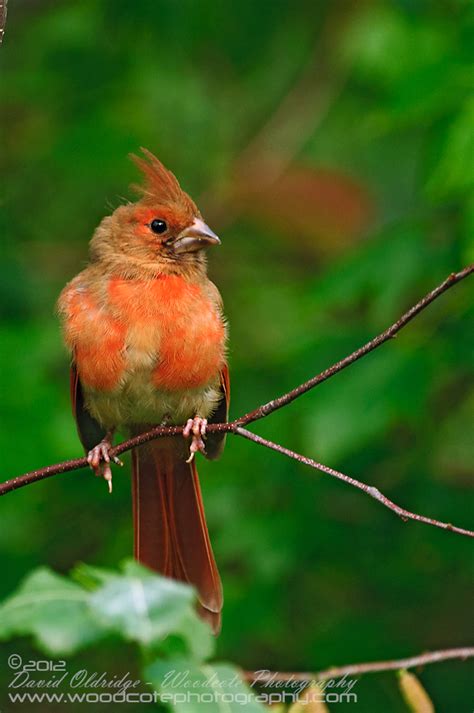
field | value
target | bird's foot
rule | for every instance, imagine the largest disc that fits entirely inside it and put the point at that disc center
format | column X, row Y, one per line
column 99, row 459
column 197, row 428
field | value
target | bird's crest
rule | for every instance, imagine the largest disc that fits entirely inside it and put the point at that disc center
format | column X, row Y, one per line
column 161, row 186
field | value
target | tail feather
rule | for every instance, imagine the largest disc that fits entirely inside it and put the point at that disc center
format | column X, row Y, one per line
column 170, row 528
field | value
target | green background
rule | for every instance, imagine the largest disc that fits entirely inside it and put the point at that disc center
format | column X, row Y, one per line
column 330, row 145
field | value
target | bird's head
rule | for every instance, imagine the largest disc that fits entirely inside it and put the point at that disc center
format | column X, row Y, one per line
column 164, row 230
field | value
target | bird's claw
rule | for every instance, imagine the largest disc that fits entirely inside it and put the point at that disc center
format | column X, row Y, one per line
column 99, row 459
column 195, row 427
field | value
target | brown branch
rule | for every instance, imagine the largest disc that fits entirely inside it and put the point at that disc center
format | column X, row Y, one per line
column 236, row 426
column 266, row 677
column 369, row 489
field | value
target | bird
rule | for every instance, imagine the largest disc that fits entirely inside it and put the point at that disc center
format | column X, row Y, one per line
column 147, row 336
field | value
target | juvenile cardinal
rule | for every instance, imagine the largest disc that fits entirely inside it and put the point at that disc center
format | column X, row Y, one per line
column 147, row 336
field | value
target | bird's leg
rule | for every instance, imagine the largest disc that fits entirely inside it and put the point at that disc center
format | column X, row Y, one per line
column 99, row 459
column 197, row 428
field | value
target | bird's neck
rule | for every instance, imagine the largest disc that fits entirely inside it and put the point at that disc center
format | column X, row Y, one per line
column 129, row 268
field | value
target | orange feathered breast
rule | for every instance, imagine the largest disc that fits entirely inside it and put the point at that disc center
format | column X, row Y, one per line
column 173, row 322
column 96, row 340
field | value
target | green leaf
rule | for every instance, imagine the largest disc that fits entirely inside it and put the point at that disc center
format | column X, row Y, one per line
column 192, row 639
column 147, row 608
column 215, row 689
column 138, row 605
column 53, row 610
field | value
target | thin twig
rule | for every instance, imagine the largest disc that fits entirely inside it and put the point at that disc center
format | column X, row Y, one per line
column 267, row 678
column 369, row 489
column 236, row 426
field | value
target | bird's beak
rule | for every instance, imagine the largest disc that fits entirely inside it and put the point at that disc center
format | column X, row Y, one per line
column 196, row 236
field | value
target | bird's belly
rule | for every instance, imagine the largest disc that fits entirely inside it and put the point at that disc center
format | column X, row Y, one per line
column 139, row 401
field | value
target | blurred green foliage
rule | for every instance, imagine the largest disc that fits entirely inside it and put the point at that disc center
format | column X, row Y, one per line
column 65, row 615
column 330, row 145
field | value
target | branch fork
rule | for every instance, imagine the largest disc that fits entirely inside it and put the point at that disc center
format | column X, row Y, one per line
column 237, row 427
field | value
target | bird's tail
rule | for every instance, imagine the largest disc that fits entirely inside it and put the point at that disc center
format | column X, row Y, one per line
column 170, row 528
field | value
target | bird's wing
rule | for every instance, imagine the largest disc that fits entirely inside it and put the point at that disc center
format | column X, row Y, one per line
column 89, row 430
column 215, row 442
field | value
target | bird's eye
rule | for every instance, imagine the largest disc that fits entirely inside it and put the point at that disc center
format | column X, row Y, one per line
column 158, row 226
